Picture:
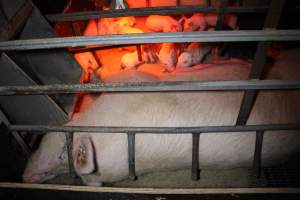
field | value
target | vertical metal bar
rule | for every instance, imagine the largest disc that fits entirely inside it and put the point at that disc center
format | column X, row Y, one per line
column 257, row 153
column 195, row 157
column 177, row 2
column 69, row 140
column 221, row 13
column 77, row 32
column 24, row 146
column 76, row 28
column 240, row 3
column 271, row 21
column 139, row 52
column 148, row 3
column 208, row 3
column 97, row 59
column 131, row 155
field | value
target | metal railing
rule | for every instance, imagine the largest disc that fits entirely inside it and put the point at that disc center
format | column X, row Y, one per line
column 218, row 36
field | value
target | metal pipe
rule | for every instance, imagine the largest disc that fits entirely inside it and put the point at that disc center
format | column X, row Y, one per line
column 177, row 37
column 151, row 87
column 221, row 13
column 272, row 20
column 257, row 153
column 69, row 139
column 131, row 155
column 40, row 129
column 195, row 157
column 166, row 10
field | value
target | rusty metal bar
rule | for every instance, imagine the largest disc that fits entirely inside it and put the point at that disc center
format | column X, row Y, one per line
column 249, row 97
column 40, row 129
column 178, row 37
column 257, row 153
column 69, row 139
column 166, row 10
column 195, row 157
column 131, row 155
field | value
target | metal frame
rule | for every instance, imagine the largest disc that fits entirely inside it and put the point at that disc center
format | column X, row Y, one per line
column 166, row 10
column 151, row 87
column 15, row 24
column 271, row 22
column 178, row 37
column 220, row 36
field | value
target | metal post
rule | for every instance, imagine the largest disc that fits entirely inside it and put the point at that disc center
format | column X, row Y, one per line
column 208, row 3
column 69, row 139
column 139, row 52
column 221, row 13
column 24, row 146
column 271, row 21
column 131, row 155
column 195, row 157
column 148, row 3
column 78, row 32
column 257, row 153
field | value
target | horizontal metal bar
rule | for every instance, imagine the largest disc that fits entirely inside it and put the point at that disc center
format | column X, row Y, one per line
column 151, row 87
column 166, row 10
column 38, row 129
column 178, row 37
column 156, row 191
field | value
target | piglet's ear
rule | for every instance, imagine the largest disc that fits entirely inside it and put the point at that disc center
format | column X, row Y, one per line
column 83, row 155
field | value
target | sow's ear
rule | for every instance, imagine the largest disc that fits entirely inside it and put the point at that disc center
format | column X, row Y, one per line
column 83, row 154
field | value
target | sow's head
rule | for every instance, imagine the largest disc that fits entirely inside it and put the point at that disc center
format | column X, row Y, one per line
column 49, row 160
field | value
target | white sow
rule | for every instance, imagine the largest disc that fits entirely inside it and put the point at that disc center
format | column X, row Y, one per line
column 103, row 157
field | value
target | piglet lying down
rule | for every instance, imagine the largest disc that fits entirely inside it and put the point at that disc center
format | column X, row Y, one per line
column 102, row 158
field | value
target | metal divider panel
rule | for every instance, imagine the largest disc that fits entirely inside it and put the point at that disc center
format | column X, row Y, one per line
column 40, row 109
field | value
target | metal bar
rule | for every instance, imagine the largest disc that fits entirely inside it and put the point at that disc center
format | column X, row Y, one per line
column 151, row 87
column 131, row 155
column 24, row 146
column 208, row 3
column 178, row 3
column 14, row 25
column 221, row 13
column 139, row 52
column 177, row 37
column 158, row 192
column 257, row 153
column 195, row 157
column 40, row 129
column 77, row 32
column 148, row 3
column 249, row 97
column 69, row 139
column 166, row 10
column 76, row 29
column 4, row 127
